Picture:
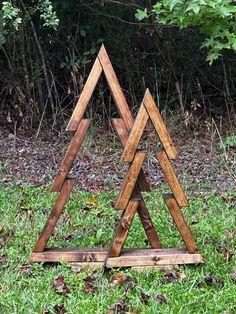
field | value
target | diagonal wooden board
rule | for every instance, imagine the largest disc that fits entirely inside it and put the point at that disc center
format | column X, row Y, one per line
column 143, row 212
column 102, row 63
column 148, row 110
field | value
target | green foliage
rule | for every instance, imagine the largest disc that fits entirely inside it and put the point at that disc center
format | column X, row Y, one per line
column 48, row 15
column 215, row 19
column 11, row 16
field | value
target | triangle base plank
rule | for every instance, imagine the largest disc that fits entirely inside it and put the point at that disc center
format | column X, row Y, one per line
column 128, row 257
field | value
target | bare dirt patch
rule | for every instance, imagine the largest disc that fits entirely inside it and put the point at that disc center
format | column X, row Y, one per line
column 26, row 161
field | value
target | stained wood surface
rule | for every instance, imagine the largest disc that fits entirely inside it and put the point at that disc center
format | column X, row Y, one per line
column 130, row 181
column 171, row 178
column 115, row 88
column 123, row 228
column 128, row 257
column 142, row 185
column 70, row 155
column 54, row 215
column 159, row 125
column 135, row 134
column 180, row 223
column 85, row 96
column 148, row 226
column 122, row 132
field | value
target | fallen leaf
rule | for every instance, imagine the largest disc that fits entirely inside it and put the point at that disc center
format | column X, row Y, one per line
column 3, row 258
column 4, row 241
column 181, row 276
column 26, row 269
column 229, row 198
column 30, row 214
column 209, row 279
column 1, row 228
column 233, row 275
column 75, row 269
column 118, row 307
column 44, row 310
column 227, row 253
column 219, row 283
column 117, row 279
column 60, row 287
column 144, row 298
column 43, row 210
column 169, row 277
column 129, row 284
column 89, row 284
column 68, row 237
column 59, row 309
column 92, row 201
column 161, row 298
column 231, row 234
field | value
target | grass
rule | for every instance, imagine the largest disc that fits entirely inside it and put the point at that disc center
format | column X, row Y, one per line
column 89, row 221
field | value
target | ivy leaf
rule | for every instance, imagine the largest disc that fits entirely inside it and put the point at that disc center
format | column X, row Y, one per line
column 141, row 14
column 174, row 3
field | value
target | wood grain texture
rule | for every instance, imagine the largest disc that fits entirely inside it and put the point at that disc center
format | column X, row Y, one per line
column 54, row 215
column 148, row 226
column 180, row 223
column 171, row 178
column 128, row 257
column 123, row 228
column 123, row 135
column 85, row 96
column 130, row 181
column 142, row 185
column 70, row 155
column 115, row 88
column 135, row 135
column 159, row 125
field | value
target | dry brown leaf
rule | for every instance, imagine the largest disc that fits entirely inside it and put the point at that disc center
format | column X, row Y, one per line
column 117, row 279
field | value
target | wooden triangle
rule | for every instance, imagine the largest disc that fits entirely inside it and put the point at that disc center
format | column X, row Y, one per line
column 130, row 199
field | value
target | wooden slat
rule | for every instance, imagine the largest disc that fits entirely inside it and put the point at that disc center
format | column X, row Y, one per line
column 115, row 88
column 159, row 125
column 130, row 180
column 154, row 260
column 180, row 223
column 171, row 178
column 122, row 132
column 54, row 215
column 85, row 96
column 143, row 185
column 128, row 257
column 123, row 228
column 135, row 134
column 148, row 226
column 70, row 155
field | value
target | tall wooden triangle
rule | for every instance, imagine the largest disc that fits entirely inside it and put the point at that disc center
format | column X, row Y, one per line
column 130, row 199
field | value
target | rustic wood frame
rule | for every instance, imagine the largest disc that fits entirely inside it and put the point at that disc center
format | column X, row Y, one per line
column 130, row 199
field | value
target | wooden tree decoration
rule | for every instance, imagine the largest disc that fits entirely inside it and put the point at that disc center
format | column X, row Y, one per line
column 130, row 199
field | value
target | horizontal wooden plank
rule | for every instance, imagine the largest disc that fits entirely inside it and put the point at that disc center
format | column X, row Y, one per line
column 128, row 257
